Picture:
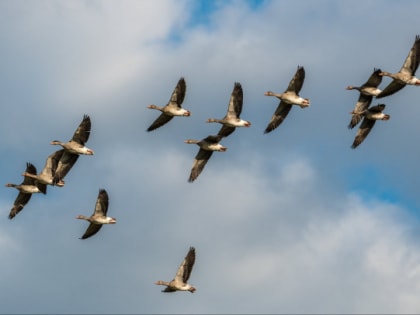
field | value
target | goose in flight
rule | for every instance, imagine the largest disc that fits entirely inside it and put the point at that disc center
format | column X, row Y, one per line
column 172, row 108
column 371, row 115
column 46, row 177
column 288, row 98
column 366, row 93
column 179, row 283
column 207, row 146
column 406, row 75
column 72, row 149
column 28, row 187
column 232, row 119
column 99, row 216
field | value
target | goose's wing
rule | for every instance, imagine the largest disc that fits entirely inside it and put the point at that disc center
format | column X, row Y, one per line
column 362, row 104
column 235, row 102
column 226, row 131
column 64, row 165
column 374, row 80
column 296, row 83
column 31, row 169
column 91, row 230
column 184, row 270
column 377, row 108
column 178, row 93
column 52, row 162
column 199, row 162
column 21, row 200
column 411, row 63
column 391, row 88
column 81, row 135
column 363, row 132
column 101, row 206
column 279, row 115
column 160, row 121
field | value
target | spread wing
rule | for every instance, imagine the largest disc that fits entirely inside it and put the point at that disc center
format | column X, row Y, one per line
column 91, row 230
column 64, row 165
column 361, row 105
column 199, row 162
column 160, row 121
column 296, row 83
column 363, row 132
column 411, row 63
column 235, row 102
column 374, row 80
column 391, row 88
column 21, row 200
column 279, row 115
column 81, row 135
column 184, row 270
column 178, row 93
column 101, row 206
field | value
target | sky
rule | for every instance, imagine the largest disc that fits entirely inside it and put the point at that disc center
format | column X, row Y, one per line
column 294, row 221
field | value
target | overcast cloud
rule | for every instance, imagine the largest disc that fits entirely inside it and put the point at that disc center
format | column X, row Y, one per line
column 294, row 221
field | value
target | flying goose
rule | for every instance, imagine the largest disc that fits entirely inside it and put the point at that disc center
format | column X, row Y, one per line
column 207, row 146
column 367, row 91
column 287, row 99
column 172, row 108
column 232, row 120
column 406, row 75
column 99, row 217
column 46, row 177
column 28, row 187
column 72, row 150
column 179, row 283
column 371, row 115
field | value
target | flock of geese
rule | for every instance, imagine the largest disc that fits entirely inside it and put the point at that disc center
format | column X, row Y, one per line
column 59, row 163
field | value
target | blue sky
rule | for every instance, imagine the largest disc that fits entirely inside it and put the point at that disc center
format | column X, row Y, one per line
column 294, row 221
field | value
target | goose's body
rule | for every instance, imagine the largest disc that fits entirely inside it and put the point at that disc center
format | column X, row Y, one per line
column 287, row 99
column 172, row 108
column 46, row 176
column 180, row 281
column 207, row 146
column 232, row 119
column 371, row 115
column 99, row 216
column 72, row 149
column 406, row 75
column 28, row 187
column 367, row 91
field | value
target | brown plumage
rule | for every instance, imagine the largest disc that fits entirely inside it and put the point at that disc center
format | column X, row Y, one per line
column 289, row 98
column 406, row 75
column 99, row 216
column 72, row 150
column 367, row 91
column 179, row 282
column 172, row 108
column 207, row 146
column 371, row 115
column 28, row 187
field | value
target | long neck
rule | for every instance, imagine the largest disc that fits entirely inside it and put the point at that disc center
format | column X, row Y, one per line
column 160, row 282
column 82, row 217
column 11, row 185
column 26, row 174
column 211, row 120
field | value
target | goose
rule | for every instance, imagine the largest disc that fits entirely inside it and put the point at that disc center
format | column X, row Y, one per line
column 28, row 187
column 371, row 115
column 77, row 143
column 46, row 177
column 99, row 216
column 179, row 283
column 207, row 146
column 287, row 99
column 72, row 150
column 367, row 91
column 406, row 75
column 232, row 120
column 172, row 108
